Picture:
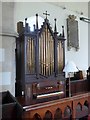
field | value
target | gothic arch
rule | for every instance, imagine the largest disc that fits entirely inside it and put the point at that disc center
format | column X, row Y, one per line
column 48, row 115
column 36, row 117
column 58, row 114
column 67, row 112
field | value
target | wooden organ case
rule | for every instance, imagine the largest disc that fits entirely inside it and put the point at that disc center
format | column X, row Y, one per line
column 39, row 61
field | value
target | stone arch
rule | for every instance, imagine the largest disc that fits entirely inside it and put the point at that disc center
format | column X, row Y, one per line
column 58, row 114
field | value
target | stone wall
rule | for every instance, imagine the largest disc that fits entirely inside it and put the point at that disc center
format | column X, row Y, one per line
column 7, row 49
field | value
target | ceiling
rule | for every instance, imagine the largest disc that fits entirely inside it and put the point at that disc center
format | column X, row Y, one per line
column 79, row 7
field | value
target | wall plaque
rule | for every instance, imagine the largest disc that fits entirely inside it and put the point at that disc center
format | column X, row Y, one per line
column 72, row 33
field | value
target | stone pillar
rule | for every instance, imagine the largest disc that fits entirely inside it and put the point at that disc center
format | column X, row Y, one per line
column 7, row 48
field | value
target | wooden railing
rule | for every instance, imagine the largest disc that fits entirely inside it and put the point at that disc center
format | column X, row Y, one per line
column 81, row 105
column 71, row 107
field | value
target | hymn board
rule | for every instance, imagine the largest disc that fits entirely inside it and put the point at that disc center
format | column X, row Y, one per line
column 39, row 60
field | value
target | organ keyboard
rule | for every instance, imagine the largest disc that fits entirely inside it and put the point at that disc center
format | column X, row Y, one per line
column 49, row 94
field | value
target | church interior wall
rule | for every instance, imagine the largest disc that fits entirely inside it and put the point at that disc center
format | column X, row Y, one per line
column 14, row 12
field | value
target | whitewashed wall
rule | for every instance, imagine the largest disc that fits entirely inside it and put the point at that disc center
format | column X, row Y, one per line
column 7, row 48
column 23, row 10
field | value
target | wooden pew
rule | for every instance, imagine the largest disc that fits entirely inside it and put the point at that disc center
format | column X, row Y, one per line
column 11, row 110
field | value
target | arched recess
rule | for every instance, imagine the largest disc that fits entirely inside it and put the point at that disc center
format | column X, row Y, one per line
column 67, row 112
column 48, row 115
column 79, row 107
column 86, row 103
column 36, row 117
column 85, row 108
column 58, row 114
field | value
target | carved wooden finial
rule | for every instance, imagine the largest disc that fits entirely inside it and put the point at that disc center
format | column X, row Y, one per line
column 34, row 27
column 36, row 21
column 27, row 28
column 55, row 28
column 63, row 31
column 25, row 21
column 46, row 14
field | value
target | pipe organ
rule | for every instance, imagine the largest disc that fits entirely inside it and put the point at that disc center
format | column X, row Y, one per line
column 39, row 61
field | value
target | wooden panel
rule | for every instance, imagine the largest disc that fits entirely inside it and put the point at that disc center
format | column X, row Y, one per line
column 79, row 86
column 10, row 107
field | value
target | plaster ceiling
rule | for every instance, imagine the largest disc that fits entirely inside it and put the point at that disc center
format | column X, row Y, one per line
column 79, row 7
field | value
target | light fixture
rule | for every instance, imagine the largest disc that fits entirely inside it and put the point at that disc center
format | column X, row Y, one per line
column 69, row 68
column 85, row 19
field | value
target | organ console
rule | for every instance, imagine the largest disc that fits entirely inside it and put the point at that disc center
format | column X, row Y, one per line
column 45, row 89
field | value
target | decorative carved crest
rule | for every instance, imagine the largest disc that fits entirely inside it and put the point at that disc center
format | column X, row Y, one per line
column 72, row 17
